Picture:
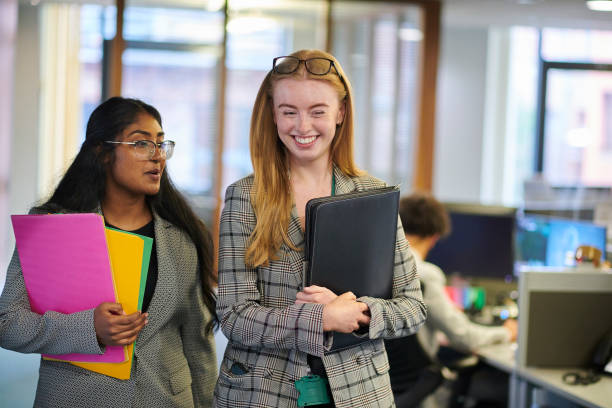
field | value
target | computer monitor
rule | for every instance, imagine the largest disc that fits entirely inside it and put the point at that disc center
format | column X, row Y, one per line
column 545, row 241
column 564, row 315
column 481, row 243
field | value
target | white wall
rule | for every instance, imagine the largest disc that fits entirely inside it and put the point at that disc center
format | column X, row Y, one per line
column 24, row 166
column 460, row 114
column 8, row 40
column 23, row 181
column 19, row 372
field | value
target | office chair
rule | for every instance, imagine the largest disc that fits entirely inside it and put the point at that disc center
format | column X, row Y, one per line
column 414, row 375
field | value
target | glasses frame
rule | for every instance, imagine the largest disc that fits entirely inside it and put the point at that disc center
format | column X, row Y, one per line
column 149, row 142
column 305, row 61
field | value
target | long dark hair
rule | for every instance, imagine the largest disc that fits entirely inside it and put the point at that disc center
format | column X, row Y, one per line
column 83, row 186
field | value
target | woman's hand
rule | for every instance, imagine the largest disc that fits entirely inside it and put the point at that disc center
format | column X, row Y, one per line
column 115, row 328
column 344, row 314
column 315, row 294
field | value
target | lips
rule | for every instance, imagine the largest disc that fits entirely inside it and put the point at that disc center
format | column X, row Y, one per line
column 154, row 172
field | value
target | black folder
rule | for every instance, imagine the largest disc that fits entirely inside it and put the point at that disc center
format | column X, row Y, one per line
column 350, row 246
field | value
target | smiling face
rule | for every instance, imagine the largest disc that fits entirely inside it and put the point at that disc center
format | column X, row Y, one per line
column 129, row 174
column 306, row 112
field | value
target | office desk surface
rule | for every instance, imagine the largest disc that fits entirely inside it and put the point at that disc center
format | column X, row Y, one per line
column 503, row 357
column 594, row 395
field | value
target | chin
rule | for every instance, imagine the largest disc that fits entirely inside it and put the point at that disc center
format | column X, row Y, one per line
column 151, row 191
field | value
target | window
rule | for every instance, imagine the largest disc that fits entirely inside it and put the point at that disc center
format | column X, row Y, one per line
column 574, row 135
column 256, row 33
column 574, row 45
column 607, row 122
column 577, row 78
column 172, row 61
column 379, row 45
column 573, row 148
column 94, row 19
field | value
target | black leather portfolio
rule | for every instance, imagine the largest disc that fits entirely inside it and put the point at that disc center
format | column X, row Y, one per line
column 350, row 246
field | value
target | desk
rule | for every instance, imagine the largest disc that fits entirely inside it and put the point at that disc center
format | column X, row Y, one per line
column 524, row 380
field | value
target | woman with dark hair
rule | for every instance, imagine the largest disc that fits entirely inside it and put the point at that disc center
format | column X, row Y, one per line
column 120, row 173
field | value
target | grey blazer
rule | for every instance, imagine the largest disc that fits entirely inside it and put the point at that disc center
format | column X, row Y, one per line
column 271, row 336
column 175, row 361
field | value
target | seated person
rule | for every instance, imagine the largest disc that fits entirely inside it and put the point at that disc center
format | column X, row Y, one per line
column 425, row 220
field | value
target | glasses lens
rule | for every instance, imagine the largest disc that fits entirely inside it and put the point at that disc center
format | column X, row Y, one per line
column 286, row 65
column 144, row 148
column 167, row 148
column 318, row 66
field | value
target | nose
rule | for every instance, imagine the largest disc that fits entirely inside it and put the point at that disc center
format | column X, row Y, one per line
column 303, row 124
column 158, row 154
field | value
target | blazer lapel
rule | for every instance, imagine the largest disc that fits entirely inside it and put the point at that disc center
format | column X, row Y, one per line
column 160, row 308
column 296, row 236
column 344, row 184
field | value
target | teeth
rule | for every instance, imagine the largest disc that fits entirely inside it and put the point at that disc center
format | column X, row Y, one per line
column 305, row 140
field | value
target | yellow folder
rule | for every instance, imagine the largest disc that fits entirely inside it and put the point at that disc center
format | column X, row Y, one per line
column 129, row 255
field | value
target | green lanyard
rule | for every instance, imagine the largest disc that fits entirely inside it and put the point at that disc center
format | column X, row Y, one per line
column 333, row 183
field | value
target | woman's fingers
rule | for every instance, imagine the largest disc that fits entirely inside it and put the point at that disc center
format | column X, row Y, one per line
column 315, row 294
column 113, row 327
column 313, row 289
column 129, row 336
column 344, row 314
column 349, row 296
column 127, row 321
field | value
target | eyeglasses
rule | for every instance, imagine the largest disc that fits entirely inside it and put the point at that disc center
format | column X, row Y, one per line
column 316, row 66
column 145, row 149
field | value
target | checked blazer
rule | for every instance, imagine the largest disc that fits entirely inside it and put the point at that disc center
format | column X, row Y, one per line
column 175, row 360
column 270, row 336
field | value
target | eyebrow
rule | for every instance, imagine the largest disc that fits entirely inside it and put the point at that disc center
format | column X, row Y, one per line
column 316, row 105
column 144, row 133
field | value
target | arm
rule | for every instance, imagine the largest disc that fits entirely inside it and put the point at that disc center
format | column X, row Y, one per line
column 199, row 347
column 243, row 318
column 25, row 331
column 405, row 312
column 446, row 317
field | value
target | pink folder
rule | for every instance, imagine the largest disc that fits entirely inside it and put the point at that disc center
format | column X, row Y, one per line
column 66, row 268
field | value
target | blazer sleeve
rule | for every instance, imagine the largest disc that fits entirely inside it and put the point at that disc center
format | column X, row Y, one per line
column 25, row 331
column 199, row 347
column 243, row 318
column 405, row 312
column 443, row 315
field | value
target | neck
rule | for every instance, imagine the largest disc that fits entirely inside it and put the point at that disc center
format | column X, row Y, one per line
column 127, row 212
column 420, row 245
column 315, row 173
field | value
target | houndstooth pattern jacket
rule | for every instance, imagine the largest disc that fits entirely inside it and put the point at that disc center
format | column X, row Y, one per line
column 175, row 360
column 271, row 336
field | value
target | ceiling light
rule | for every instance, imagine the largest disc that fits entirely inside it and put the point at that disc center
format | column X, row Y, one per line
column 599, row 5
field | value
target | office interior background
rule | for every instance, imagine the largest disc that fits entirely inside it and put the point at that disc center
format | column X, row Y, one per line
column 488, row 102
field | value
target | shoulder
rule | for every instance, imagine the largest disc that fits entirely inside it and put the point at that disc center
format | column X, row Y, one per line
column 367, row 182
column 431, row 273
column 240, row 188
column 238, row 196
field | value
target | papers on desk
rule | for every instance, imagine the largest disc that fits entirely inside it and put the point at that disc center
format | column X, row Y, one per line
column 71, row 263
